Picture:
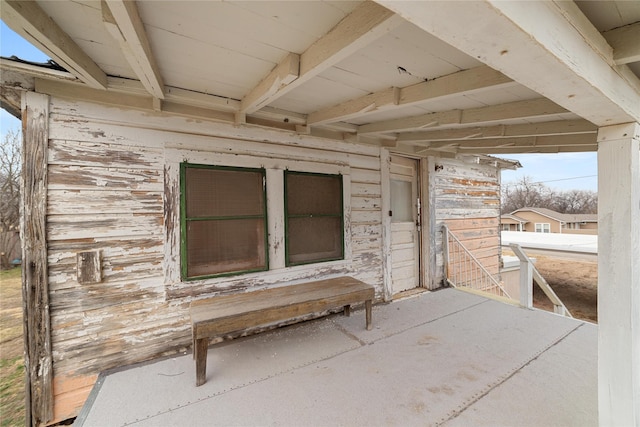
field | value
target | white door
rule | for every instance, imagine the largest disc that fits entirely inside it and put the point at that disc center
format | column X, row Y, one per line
column 405, row 225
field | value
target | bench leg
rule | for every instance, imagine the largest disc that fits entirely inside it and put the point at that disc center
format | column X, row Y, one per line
column 367, row 305
column 347, row 310
column 200, row 351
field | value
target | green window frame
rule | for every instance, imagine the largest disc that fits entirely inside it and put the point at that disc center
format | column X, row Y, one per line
column 314, row 218
column 223, row 221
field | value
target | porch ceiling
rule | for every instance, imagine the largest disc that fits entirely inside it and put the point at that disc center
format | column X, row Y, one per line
column 353, row 70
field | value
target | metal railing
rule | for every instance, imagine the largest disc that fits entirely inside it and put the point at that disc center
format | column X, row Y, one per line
column 463, row 270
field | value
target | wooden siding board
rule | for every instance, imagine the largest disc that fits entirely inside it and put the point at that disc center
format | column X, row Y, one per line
column 100, row 202
column 64, row 277
column 473, row 223
column 366, row 203
column 366, row 244
column 65, row 227
column 466, row 203
column 64, row 251
column 366, row 216
column 80, row 153
column 365, row 176
column 462, row 213
column 65, row 177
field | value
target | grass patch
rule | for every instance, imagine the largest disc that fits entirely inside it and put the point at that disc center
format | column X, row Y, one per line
column 12, row 392
column 11, row 274
column 11, row 349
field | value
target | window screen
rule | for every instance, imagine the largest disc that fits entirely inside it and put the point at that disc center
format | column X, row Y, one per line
column 314, row 219
column 223, row 220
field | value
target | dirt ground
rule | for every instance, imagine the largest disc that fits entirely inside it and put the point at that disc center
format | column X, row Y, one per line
column 574, row 281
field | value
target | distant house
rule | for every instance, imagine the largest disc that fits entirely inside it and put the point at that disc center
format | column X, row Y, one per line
column 509, row 222
column 541, row 220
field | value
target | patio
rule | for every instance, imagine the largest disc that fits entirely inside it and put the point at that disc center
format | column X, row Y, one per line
column 441, row 358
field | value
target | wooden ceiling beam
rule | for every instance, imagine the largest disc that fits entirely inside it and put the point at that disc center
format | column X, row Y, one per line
column 413, row 122
column 511, row 110
column 625, row 42
column 467, row 81
column 531, row 150
column 376, row 101
column 282, row 75
column 365, row 24
column 29, row 20
column 517, row 45
column 123, row 22
column 559, row 127
column 506, row 150
column 525, row 141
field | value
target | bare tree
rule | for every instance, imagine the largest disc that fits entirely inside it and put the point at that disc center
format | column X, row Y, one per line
column 576, row 202
column 526, row 193
column 10, row 168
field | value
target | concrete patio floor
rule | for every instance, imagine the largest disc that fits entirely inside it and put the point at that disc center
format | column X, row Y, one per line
column 441, row 358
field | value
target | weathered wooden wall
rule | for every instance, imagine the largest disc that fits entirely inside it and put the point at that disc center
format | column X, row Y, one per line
column 466, row 196
column 113, row 188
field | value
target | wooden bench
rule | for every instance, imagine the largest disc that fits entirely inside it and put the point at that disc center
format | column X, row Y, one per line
column 219, row 316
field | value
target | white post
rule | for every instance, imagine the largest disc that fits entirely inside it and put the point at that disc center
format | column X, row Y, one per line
column 526, row 276
column 526, row 284
column 275, row 217
column 619, row 275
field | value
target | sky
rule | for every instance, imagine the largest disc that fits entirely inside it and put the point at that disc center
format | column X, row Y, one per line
column 564, row 171
column 13, row 44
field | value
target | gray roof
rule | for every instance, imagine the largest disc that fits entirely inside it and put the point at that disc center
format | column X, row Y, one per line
column 560, row 216
column 514, row 217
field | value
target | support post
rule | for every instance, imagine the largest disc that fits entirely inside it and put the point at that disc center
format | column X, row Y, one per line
column 445, row 252
column 526, row 284
column 526, row 277
column 35, row 284
column 619, row 275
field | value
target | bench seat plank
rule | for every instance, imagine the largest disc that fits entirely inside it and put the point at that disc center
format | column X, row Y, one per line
column 227, row 314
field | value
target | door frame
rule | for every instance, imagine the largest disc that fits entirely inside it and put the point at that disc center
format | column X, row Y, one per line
column 425, row 236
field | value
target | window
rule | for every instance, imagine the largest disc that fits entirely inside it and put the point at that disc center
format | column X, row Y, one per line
column 223, row 221
column 402, row 198
column 506, row 227
column 543, row 227
column 313, row 218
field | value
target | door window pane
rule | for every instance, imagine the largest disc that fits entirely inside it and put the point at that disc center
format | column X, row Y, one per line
column 401, row 201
